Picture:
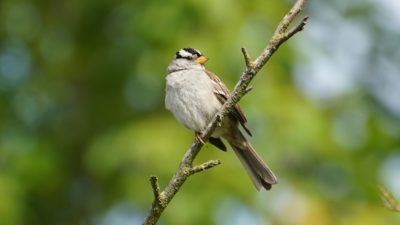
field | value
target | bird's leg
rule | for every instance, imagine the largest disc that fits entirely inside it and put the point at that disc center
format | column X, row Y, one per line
column 198, row 137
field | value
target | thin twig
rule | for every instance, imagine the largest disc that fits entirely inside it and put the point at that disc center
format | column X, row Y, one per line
column 156, row 190
column 297, row 28
column 247, row 58
column 279, row 35
column 185, row 168
column 248, row 89
column 205, row 166
column 289, row 17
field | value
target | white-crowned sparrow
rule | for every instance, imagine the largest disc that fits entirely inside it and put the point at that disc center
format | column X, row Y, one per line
column 194, row 95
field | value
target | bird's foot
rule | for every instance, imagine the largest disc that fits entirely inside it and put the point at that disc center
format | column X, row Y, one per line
column 198, row 138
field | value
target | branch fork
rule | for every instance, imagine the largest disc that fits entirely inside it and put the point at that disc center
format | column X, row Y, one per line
column 248, row 60
column 159, row 200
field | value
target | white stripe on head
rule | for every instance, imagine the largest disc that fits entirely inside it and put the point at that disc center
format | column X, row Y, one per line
column 185, row 54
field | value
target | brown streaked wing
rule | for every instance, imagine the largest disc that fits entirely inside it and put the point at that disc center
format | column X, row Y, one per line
column 222, row 93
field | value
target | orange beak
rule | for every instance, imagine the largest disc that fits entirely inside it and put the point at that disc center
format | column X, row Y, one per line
column 201, row 60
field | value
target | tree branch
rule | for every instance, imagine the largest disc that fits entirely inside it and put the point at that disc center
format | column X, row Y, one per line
column 186, row 168
column 248, row 89
column 156, row 190
column 247, row 58
column 205, row 166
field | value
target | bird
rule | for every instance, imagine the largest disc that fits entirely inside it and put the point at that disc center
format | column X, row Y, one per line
column 194, row 95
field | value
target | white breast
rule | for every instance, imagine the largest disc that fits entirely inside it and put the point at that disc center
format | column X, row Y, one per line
column 190, row 97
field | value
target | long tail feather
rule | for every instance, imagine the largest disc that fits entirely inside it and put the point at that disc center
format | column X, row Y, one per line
column 259, row 172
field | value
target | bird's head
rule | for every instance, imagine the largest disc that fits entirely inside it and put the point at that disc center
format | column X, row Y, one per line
column 192, row 55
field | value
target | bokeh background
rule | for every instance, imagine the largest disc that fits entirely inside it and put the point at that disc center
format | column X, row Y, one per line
column 83, row 126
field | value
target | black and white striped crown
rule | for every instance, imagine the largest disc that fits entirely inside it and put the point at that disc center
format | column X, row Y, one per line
column 188, row 53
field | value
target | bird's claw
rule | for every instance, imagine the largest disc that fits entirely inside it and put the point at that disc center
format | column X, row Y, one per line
column 199, row 139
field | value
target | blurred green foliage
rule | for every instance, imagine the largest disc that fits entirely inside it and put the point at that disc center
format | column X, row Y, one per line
column 83, row 126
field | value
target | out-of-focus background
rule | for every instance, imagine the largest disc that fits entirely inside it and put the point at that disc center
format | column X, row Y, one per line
column 83, row 124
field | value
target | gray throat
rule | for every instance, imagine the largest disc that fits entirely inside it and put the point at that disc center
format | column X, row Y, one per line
column 183, row 64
